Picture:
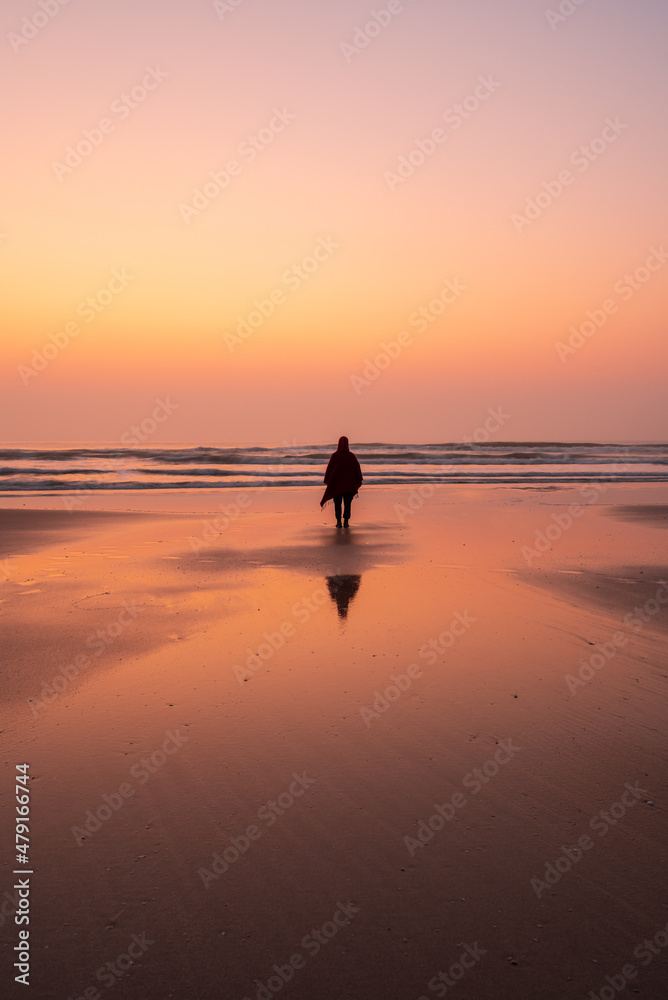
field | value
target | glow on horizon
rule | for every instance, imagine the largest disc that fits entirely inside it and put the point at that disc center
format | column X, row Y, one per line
column 325, row 169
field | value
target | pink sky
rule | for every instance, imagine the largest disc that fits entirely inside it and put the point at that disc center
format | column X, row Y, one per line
column 361, row 174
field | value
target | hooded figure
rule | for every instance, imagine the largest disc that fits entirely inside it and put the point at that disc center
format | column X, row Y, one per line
column 343, row 479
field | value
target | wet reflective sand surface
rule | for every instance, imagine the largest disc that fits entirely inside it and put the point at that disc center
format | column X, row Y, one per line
column 349, row 755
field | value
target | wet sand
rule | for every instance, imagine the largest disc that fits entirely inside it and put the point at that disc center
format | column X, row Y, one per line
column 364, row 757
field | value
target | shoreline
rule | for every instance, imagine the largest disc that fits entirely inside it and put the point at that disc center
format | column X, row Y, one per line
column 643, row 498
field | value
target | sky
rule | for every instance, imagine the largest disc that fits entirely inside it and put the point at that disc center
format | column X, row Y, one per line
column 294, row 220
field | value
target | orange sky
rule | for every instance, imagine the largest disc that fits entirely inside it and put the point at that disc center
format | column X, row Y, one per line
column 361, row 167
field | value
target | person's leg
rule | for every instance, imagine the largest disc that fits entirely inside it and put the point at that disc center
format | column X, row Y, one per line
column 347, row 500
column 337, row 510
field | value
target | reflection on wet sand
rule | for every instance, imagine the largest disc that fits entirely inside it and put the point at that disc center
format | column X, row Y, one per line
column 263, row 584
column 342, row 589
column 312, row 550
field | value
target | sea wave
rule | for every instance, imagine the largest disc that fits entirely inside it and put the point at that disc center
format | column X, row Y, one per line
column 86, row 467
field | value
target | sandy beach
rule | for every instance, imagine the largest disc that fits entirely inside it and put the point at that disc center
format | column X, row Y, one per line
column 270, row 758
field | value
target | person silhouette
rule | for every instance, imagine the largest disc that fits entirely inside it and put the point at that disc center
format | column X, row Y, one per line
column 343, row 479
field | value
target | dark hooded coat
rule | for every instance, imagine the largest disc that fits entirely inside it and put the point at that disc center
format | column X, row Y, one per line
column 343, row 473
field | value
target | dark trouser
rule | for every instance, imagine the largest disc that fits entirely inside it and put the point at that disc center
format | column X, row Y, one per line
column 347, row 500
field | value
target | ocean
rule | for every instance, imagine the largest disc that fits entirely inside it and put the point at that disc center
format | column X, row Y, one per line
column 48, row 468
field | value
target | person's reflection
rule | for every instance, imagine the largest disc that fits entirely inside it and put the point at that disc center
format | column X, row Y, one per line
column 342, row 589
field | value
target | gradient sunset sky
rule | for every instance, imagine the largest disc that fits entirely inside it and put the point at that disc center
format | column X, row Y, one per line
column 180, row 85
